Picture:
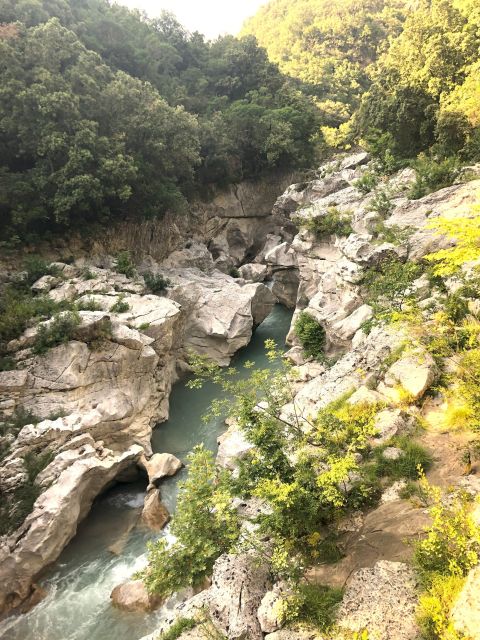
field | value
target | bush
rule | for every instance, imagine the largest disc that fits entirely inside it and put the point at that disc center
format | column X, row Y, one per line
column 156, row 283
column 334, row 222
column 124, row 264
column 311, row 335
column 433, row 174
column 120, row 306
column 388, row 286
column 89, row 305
column 367, row 182
column 381, row 203
column 435, row 605
column 178, row 627
column 58, row 331
column 36, row 267
column 312, row 604
column 234, row 272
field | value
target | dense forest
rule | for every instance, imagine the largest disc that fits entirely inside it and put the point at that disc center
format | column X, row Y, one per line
column 400, row 77
column 105, row 113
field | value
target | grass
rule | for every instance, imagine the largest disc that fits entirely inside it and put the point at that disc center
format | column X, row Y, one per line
column 406, row 466
column 313, row 604
column 177, row 628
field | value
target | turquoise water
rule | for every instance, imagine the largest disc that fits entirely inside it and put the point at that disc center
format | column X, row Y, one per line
column 110, row 545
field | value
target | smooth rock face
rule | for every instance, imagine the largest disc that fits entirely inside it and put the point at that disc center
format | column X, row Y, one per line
column 133, row 596
column 466, row 611
column 383, row 600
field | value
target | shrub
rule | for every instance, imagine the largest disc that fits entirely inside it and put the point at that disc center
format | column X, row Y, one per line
column 178, row 627
column 334, row 222
column 408, row 466
column 120, row 306
column 89, row 305
column 381, row 203
column 87, row 274
column 124, row 264
column 312, row 604
column 156, row 283
column 433, row 174
column 234, row 272
column 311, row 335
column 435, row 605
column 388, row 286
column 367, row 182
column 58, row 331
column 36, row 267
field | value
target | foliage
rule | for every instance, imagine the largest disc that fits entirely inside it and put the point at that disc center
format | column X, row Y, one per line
column 120, row 306
column 466, row 231
column 178, row 627
column 311, row 335
column 367, row 182
column 433, row 174
column 452, row 542
column 381, row 203
column 89, row 304
column 204, row 500
column 414, row 460
column 312, row 604
column 156, row 283
column 389, row 286
column 124, row 264
column 333, row 222
column 58, row 331
column 435, row 605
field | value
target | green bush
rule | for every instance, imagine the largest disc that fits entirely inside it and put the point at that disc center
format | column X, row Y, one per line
column 311, row 335
column 120, row 306
column 381, row 203
column 234, row 272
column 334, row 222
column 312, row 604
column 177, row 628
column 433, row 174
column 156, row 283
column 388, row 286
column 36, row 267
column 89, row 305
column 59, row 331
column 367, row 182
column 124, row 264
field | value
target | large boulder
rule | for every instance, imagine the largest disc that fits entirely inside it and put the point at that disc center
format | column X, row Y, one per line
column 414, row 373
column 133, row 596
column 160, row 466
column 382, row 599
column 155, row 514
column 466, row 610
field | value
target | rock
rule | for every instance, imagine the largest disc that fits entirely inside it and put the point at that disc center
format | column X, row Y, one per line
column 285, row 287
column 155, row 514
column 382, row 599
column 281, row 256
column 345, row 329
column 53, row 521
column 269, row 611
column 365, row 395
column 414, row 372
column 253, row 272
column 466, row 610
column 161, row 465
column 232, row 446
column 238, row 586
column 392, row 453
column 393, row 492
column 389, row 423
column 133, row 596
column 194, row 254
column 44, row 284
column 290, row 634
column 11, row 381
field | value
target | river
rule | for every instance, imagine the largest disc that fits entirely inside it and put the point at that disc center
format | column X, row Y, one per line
column 109, row 546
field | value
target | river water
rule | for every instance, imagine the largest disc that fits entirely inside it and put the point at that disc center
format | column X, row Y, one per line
column 109, row 545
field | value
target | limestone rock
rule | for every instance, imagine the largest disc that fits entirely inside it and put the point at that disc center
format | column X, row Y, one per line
column 392, row 453
column 44, row 284
column 290, row 634
column 466, row 610
column 285, row 287
column 389, row 423
column 133, row 596
column 155, row 514
column 269, row 611
column 253, row 272
column 232, row 446
column 161, row 465
column 281, row 256
column 382, row 599
column 414, row 372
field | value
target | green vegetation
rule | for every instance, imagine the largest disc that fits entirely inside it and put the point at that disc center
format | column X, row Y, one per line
column 156, row 283
column 204, row 500
column 367, row 182
column 120, row 306
column 433, row 174
column 311, row 335
column 450, row 548
column 124, row 264
column 177, row 628
column 381, row 203
column 58, row 331
column 333, row 222
column 89, row 304
column 413, row 461
column 312, row 604
column 98, row 128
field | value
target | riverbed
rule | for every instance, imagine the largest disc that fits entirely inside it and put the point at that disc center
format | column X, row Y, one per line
column 110, row 545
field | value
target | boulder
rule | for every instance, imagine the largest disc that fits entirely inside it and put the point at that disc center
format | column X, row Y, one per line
column 155, row 514
column 392, row 453
column 161, row 465
column 382, row 599
column 133, row 596
column 253, row 272
column 389, row 423
column 285, row 287
column 290, row 634
column 282, row 256
column 269, row 611
column 44, row 284
column 414, row 372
